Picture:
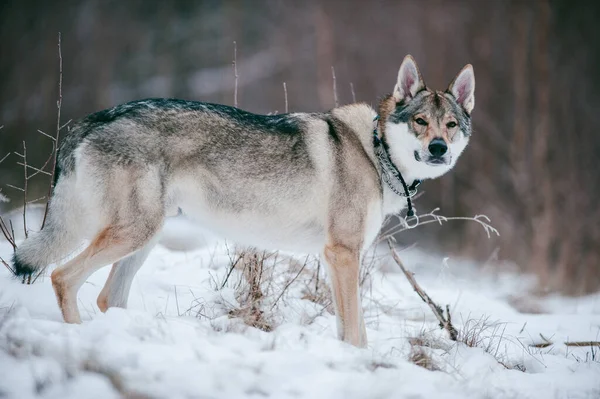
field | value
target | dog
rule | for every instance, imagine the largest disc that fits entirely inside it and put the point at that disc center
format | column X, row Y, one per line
column 304, row 182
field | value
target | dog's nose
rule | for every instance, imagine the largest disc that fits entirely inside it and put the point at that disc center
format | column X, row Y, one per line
column 438, row 147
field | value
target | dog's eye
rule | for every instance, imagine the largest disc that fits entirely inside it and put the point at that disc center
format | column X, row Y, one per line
column 421, row 121
column 450, row 125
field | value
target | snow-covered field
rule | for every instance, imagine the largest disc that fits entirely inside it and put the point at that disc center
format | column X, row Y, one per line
column 178, row 339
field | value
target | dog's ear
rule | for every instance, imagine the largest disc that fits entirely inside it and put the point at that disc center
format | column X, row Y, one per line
column 409, row 82
column 463, row 88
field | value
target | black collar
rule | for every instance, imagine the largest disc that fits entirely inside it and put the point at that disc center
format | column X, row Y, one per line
column 391, row 175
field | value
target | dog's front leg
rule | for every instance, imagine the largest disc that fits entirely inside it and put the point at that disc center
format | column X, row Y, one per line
column 343, row 264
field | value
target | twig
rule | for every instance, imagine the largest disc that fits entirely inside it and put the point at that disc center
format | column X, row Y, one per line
column 233, row 265
column 235, row 74
column 37, row 171
column 8, row 234
column 583, row 343
column 483, row 221
column 318, row 272
column 42, row 169
column 10, row 269
column 6, row 156
column 15, row 187
column 335, row 96
column 12, row 232
column 353, row 94
column 46, row 134
column 57, row 136
column 290, row 283
column 25, row 183
column 36, row 200
column 286, row 97
column 445, row 321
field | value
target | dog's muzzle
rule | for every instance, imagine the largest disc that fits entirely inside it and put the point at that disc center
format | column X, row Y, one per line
column 437, row 153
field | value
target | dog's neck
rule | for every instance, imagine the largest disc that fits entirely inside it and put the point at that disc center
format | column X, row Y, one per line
column 391, row 176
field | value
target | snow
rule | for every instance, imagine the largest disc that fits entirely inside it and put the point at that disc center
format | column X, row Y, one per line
column 177, row 340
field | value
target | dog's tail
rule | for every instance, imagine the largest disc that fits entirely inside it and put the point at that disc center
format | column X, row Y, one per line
column 59, row 236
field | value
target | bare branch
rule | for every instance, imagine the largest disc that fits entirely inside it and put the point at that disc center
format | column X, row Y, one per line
column 235, row 74
column 8, row 234
column 483, row 221
column 66, row 124
column 15, row 187
column 353, row 94
column 6, row 156
column 25, row 184
column 445, row 321
column 286, row 97
column 583, row 343
column 335, row 96
column 10, row 269
column 47, row 135
column 51, row 153
column 37, row 171
column 36, row 200
column 57, row 136
column 290, row 283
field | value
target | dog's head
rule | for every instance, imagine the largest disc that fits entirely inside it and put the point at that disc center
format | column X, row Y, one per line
column 427, row 130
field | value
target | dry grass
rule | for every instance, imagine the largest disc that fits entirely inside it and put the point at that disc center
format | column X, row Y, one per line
column 422, row 358
column 489, row 336
column 250, row 291
column 263, row 281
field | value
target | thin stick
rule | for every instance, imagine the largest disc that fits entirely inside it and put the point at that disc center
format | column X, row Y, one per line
column 6, row 156
column 583, row 343
column 318, row 272
column 56, row 137
column 12, row 232
column 10, row 269
column 26, row 180
column 235, row 74
column 335, row 96
column 10, row 237
column 286, row 98
column 436, row 309
column 15, row 187
column 290, row 283
column 353, row 94
column 37, row 171
column 36, row 200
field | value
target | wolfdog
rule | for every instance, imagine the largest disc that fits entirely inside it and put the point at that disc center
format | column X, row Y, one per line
column 304, row 182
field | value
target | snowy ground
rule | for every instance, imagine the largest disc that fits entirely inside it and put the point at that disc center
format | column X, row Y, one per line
column 178, row 339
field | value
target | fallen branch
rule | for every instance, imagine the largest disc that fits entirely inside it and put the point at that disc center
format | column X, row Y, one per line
column 546, row 344
column 583, row 343
column 445, row 321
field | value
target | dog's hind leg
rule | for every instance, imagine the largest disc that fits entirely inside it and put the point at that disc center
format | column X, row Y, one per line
column 110, row 245
column 134, row 215
column 117, row 286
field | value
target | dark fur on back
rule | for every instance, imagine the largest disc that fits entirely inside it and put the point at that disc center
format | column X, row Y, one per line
column 175, row 121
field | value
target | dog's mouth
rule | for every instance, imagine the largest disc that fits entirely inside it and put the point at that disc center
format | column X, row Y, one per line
column 433, row 161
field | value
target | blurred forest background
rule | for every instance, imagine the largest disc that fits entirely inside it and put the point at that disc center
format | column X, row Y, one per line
column 532, row 163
